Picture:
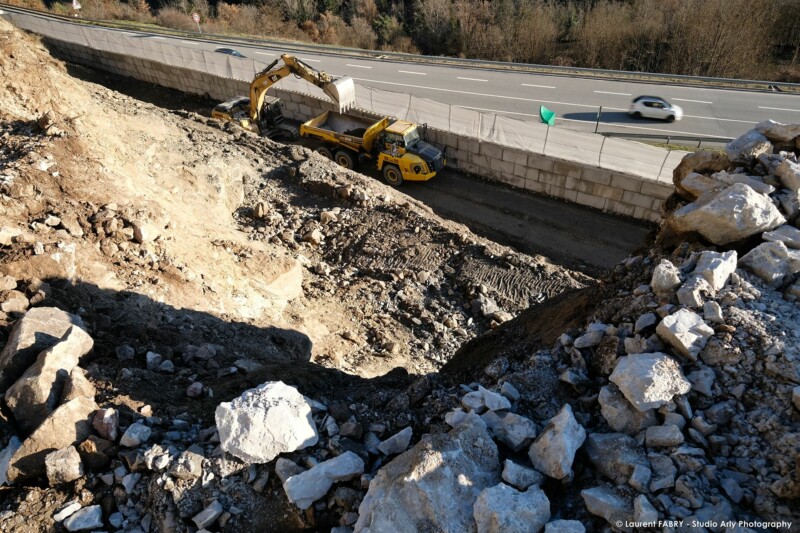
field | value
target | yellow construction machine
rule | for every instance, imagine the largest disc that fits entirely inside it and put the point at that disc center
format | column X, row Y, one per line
column 396, row 147
column 262, row 114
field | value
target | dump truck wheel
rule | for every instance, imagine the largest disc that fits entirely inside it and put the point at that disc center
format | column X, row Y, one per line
column 392, row 175
column 325, row 152
column 344, row 159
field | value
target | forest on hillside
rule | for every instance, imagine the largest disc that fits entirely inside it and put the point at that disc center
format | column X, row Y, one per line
column 755, row 39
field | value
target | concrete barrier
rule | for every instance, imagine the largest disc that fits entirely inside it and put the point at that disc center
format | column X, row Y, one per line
column 591, row 186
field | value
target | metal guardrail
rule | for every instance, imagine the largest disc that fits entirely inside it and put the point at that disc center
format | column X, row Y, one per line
column 645, row 77
column 668, row 138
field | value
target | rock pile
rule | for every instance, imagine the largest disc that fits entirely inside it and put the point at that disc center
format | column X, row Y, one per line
column 753, row 189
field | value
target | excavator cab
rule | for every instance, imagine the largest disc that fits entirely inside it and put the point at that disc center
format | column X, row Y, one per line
column 272, row 123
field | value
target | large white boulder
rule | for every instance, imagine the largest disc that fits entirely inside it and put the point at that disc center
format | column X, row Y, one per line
column 716, row 268
column 504, row 509
column 554, row 450
column 39, row 329
column 686, row 331
column 729, row 215
column 750, row 144
column 649, row 380
column 434, row 485
column 37, row 393
column 772, row 261
column 307, row 487
column 264, row 422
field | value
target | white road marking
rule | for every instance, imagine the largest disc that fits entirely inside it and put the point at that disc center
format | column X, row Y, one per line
column 780, row 109
column 156, row 37
column 721, row 119
column 190, row 42
column 412, row 72
column 264, row 54
column 485, row 94
column 470, row 79
column 309, row 60
column 357, row 66
column 609, row 92
column 539, row 86
column 503, row 112
column 695, row 101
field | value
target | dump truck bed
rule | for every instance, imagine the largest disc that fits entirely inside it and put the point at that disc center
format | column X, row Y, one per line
column 354, row 132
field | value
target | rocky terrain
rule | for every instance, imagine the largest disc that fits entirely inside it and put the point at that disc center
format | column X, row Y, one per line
column 206, row 331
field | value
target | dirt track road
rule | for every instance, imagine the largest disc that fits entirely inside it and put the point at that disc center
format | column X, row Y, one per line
column 568, row 234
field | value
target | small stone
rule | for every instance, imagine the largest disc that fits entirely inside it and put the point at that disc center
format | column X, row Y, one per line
column 125, row 352
column 643, row 510
column 209, row 515
column 649, row 380
column 135, row 435
column 591, row 338
column 511, row 429
column 716, row 268
column 564, row 526
column 130, row 480
column 195, row 390
column 620, row 414
column 645, row 321
column 313, row 237
column 503, row 509
column 87, row 518
column 520, row 477
column 397, row 443
column 554, row 450
column 663, row 436
column 509, row 391
column 712, row 312
column 327, row 217
column 307, row 487
column 666, row 278
column 166, row 366
column 686, row 332
column 66, row 511
column 609, row 504
column 284, row 469
column 153, row 360
column 796, row 397
column 772, row 262
column 63, row 466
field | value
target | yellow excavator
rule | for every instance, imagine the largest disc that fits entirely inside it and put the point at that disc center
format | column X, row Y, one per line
column 262, row 114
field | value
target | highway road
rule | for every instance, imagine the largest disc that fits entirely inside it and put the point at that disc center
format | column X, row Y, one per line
column 576, row 100
column 708, row 112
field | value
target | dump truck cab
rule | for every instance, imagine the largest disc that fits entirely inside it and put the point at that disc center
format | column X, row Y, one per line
column 401, row 144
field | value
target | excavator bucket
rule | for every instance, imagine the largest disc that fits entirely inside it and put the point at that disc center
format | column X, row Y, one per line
column 343, row 92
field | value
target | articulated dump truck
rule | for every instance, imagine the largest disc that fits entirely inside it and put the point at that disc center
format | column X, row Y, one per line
column 397, row 148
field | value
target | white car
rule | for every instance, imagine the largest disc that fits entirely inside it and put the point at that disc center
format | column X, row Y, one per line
column 655, row 107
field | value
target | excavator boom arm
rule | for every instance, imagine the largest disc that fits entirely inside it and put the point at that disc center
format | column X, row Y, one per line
column 341, row 91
